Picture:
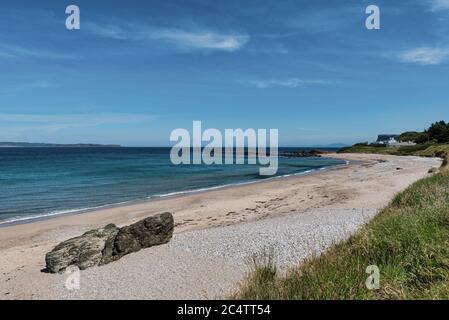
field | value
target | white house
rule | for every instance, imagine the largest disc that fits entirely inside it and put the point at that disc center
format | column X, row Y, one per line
column 391, row 141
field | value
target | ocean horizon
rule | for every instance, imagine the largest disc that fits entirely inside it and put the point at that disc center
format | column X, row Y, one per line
column 46, row 182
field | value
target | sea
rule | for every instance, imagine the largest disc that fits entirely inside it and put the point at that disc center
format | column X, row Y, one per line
column 38, row 183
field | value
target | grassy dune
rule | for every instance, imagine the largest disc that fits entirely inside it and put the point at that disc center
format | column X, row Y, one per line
column 408, row 241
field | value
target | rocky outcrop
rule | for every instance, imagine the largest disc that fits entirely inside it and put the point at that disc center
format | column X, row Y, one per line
column 301, row 153
column 104, row 245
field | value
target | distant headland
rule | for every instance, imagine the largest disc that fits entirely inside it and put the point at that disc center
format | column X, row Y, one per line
column 55, row 145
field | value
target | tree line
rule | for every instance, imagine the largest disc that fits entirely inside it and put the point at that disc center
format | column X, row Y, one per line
column 438, row 132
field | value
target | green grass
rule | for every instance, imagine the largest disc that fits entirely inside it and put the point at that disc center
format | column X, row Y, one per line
column 408, row 241
column 425, row 150
column 366, row 149
column 434, row 150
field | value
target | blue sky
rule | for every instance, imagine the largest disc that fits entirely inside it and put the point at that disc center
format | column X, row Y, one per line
column 136, row 70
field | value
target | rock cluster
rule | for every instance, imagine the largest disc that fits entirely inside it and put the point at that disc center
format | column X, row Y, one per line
column 301, row 153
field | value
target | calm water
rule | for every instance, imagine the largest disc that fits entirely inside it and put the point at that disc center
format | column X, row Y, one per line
column 37, row 182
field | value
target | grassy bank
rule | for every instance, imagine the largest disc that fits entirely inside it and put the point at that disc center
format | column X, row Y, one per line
column 408, row 241
column 424, row 150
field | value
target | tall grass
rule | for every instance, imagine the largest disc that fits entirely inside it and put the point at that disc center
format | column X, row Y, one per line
column 408, row 241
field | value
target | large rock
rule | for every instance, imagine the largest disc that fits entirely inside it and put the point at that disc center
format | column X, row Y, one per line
column 101, row 246
column 84, row 251
column 143, row 234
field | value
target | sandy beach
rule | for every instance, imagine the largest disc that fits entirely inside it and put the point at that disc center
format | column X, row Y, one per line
column 216, row 233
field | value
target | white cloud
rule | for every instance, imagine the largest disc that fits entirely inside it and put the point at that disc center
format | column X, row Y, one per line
column 16, row 88
column 202, row 40
column 56, row 122
column 308, row 129
column 425, row 55
column 437, row 5
column 196, row 39
column 288, row 83
column 13, row 51
column 106, row 31
column 5, row 54
column 41, row 84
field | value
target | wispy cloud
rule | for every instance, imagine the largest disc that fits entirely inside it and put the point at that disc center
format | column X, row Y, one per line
column 15, row 88
column 5, row 54
column 192, row 39
column 425, row 56
column 320, row 19
column 288, row 83
column 56, row 122
column 202, row 40
column 437, row 5
column 41, row 84
column 107, row 31
column 308, row 129
column 14, row 51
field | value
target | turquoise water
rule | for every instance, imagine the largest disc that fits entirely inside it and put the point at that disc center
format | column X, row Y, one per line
column 39, row 182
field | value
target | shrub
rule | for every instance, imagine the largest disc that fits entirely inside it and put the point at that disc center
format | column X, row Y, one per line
column 418, row 137
column 439, row 131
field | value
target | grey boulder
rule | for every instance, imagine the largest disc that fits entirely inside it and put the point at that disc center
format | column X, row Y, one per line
column 143, row 234
column 84, row 251
column 104, row 245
